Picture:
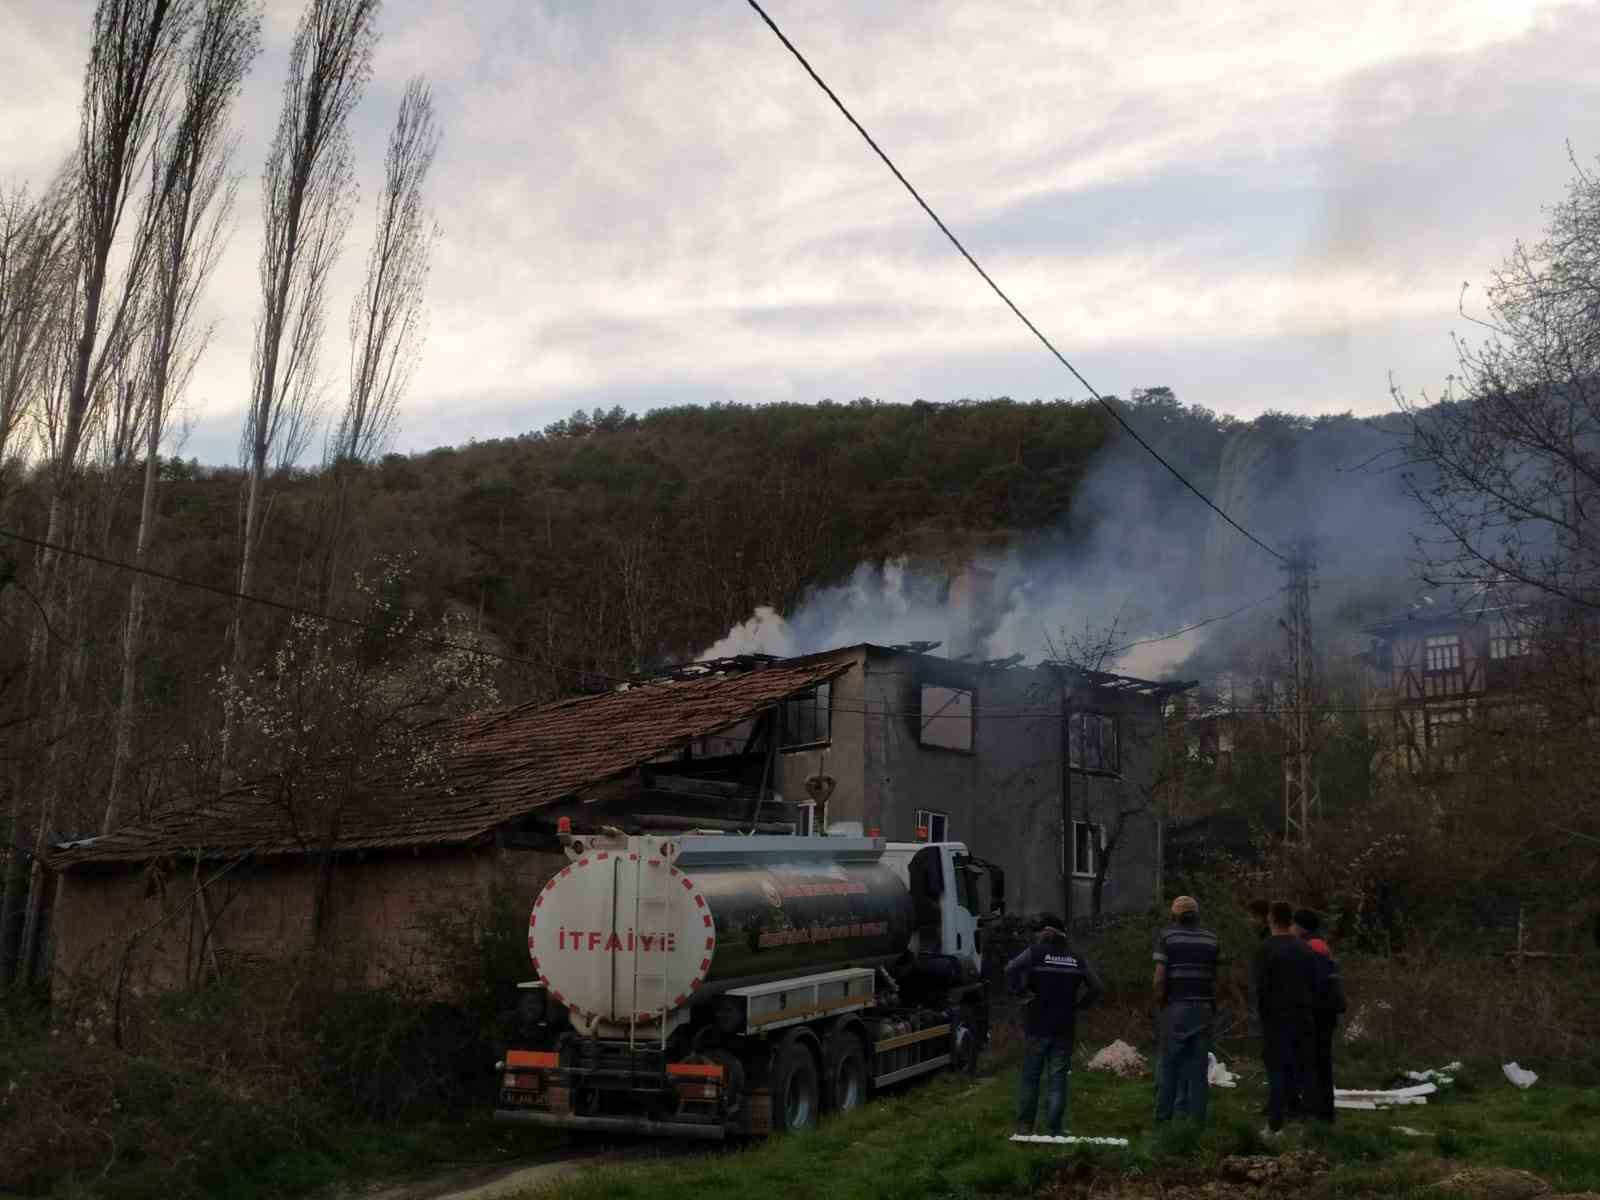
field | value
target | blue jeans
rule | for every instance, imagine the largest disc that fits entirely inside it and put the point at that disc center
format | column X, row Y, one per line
column 1181, row 1083
column 1051, row 1057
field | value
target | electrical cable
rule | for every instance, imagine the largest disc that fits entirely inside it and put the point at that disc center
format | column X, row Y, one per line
column 333, row 618
column 995, row 287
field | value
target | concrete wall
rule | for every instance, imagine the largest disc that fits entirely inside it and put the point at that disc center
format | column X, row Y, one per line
column 378, row 920
column 1003, row 799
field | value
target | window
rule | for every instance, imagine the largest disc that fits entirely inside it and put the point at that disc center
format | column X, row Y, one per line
column 1442, row 652
column 1092, row 741
column 1445, row 731
column 805, row 824
column 936, row 823
column 1088, row 840
column 946, row 718
column 1509, row 640
column 806, row 717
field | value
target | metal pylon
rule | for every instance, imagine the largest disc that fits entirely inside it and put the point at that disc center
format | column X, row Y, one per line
column 1302, row 799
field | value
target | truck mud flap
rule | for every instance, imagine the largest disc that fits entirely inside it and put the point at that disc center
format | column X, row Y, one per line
column 637, row 1125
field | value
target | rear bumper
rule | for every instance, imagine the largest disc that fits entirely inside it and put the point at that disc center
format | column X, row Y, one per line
column 642, row 1126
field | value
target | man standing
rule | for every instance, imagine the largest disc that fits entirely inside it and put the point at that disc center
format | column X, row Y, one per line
column 1327, row 1002
column 1284, row 973
column 1186, row 993
column 1055, row 983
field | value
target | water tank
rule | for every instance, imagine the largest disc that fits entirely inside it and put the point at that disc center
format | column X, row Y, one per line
column 636, row 928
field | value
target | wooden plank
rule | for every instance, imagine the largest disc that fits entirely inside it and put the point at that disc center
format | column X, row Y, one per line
column 906, row 1039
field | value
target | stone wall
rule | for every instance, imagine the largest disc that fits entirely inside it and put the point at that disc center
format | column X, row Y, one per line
column 379, row 912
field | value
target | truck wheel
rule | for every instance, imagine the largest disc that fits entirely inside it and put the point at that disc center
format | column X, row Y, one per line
column 844, row 1075
column 794, row 1088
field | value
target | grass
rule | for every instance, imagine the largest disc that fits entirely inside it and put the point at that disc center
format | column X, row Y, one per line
column 947, row 1138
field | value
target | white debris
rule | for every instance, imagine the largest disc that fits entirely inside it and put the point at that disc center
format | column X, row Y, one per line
column 1120, row 1059
column 1417, row 1093
column 1218, row 1075
column 1520, row 1076
column 1044, row 1139
column 1381, row 1095
column 1408, row 1131
column 1443, row 1076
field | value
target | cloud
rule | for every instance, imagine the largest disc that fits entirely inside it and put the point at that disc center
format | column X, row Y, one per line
column 1256, row 205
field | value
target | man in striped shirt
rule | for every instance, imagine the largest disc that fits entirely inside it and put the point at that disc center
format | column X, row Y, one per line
column 1186, row 991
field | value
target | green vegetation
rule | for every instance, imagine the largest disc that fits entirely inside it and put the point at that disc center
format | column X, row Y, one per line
column 948, row 1137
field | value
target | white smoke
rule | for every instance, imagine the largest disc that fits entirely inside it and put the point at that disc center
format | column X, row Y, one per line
column 1138, row 563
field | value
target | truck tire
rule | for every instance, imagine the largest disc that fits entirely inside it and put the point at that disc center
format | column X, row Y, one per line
column 795, row 1091
column 844, row 1072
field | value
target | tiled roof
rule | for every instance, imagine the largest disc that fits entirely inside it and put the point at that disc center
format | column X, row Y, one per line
column 498, row 766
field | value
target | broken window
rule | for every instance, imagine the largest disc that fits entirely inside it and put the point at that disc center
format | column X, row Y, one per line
column 946, row 718
column 932, row 826
column 807, row 717
column 1092, row 742
column 1088, row 840
column 1509, row 640
column 1442, row 652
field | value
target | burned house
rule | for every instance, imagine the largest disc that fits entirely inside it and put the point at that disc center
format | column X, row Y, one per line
column 1047, row 772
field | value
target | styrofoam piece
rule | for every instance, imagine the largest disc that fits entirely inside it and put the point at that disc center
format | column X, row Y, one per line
column 1409, row 1132
column 1044, row 1139
column 1380, row 1094
column 1361, row 1104
column 1520, row 1076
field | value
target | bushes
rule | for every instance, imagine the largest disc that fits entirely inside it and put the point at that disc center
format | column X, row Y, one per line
column 254, row 1086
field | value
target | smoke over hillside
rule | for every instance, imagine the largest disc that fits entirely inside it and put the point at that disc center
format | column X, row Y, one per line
column 1141, row 555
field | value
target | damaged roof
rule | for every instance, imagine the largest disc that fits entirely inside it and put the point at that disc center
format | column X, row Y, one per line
column 497, row 766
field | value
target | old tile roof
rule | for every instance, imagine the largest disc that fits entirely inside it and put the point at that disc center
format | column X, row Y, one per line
column 498, row 766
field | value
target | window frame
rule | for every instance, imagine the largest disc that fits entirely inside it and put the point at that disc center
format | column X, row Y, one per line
column 1507, row 642
column 926, row 817
column 1442, row 642
column 818, row 703
column 923, row 720
column 1097, row 847
column 1077, row 742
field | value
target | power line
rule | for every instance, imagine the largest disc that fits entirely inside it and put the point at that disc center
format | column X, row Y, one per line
column 283, row 606
column 1177, row 633
column 995, row 287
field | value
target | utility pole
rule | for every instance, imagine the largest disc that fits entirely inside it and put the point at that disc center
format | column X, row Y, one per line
column 1302, row 799
column 1067, row 842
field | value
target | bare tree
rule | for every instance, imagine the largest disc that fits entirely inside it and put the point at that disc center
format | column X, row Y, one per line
column 386, row 318
column 34, row 236
column 133, row 59
column 1511, row 454
column 306, row 194
column 193, row 196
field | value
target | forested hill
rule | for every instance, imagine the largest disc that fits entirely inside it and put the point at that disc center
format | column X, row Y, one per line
column 597, row 546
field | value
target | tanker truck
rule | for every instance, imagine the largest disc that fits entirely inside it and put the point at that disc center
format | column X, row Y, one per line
column 708, row 985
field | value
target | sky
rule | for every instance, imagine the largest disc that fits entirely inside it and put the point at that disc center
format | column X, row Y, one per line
column 1260, row 205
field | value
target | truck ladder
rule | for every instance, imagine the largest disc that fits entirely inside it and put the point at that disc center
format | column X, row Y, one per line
column 652, row 900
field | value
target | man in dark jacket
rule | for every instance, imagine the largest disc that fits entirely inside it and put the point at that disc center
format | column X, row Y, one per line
column 1327, row 1002
column 1054, row 983
column 1285, row 978
column 1186, row 992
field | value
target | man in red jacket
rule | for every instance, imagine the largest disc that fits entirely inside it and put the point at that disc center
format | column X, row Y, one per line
column 1327, row 1004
